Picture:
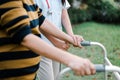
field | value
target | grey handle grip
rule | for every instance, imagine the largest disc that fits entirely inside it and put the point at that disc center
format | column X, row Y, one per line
column 85, row 43
column 100, row 68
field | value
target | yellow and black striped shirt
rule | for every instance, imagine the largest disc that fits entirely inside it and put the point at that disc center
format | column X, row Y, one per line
column 18, row 18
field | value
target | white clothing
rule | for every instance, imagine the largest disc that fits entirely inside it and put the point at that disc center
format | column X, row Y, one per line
column 48, row 68
column 56, row 9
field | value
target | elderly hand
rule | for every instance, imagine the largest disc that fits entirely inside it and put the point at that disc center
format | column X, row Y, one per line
column 61, row 44
column 82, row 66
column 77, row 40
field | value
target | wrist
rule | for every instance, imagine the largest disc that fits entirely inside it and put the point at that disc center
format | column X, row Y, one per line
column 74, row 60
column 70, row 33
column 70, row 39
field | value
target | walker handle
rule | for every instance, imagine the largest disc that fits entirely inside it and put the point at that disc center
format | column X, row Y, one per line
column 85, row 43
column 100, row 68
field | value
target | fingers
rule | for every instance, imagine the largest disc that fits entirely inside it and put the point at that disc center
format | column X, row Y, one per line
column 89, row 67
column 81, row 72
column 92, row 68
column 85, row 68
column 65, row 46
column 77, row 40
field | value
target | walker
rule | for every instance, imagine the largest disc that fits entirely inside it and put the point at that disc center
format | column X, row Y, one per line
column 107, row 67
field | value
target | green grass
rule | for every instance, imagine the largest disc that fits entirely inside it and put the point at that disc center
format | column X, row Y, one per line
column 106, row 34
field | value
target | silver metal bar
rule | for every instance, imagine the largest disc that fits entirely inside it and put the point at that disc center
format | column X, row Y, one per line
column 108, row 65
column 99, row 68
column 104, row 51
column 117, row 75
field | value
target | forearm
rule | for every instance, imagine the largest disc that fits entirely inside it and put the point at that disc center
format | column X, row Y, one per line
column 79, row 65
column 66, row 22
column 67, row 25
column 37, row 45
column 48, row 36
column 49, row 28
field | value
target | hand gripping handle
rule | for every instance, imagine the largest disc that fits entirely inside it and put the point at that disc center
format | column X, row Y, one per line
column 85, row 43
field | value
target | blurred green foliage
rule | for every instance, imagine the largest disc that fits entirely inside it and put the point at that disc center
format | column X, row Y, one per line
column 96, row 10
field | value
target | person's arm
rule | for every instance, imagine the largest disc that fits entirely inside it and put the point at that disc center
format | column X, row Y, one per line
column 80, row 65
column 50, row 28
column 68, row 27
column 66, row 21
column 64, row 45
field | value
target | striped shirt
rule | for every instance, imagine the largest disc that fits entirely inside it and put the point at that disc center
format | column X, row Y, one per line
column 18, row 18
